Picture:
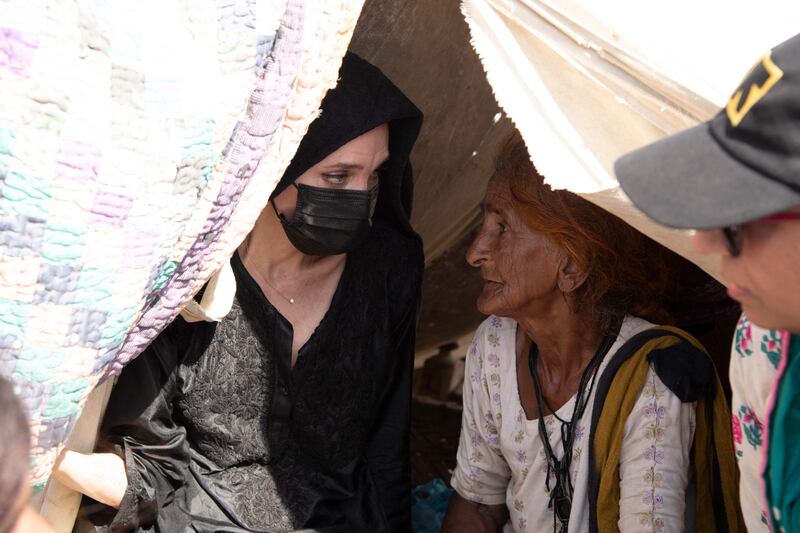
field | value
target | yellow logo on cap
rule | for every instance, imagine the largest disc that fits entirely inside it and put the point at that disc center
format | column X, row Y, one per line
column 755, row 92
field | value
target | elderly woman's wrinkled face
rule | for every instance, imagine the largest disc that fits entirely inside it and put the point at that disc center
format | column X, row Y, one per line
column 520, row 266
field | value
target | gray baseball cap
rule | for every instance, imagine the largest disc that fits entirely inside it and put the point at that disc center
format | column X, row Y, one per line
column 741, row 165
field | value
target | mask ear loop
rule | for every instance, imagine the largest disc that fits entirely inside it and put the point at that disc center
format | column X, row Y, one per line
column 280, row 216
column 274, row 208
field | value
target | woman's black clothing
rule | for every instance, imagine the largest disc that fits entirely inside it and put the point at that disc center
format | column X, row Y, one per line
column 220, row 433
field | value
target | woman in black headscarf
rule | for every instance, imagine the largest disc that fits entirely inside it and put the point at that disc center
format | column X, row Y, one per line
column 292, row 412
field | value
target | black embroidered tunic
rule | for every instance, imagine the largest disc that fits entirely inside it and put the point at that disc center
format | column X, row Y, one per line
column 220, row 433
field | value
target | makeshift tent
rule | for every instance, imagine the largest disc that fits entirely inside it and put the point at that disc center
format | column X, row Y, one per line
column 584, row 81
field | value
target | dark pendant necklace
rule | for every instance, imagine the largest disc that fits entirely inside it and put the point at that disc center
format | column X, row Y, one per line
column 561, row 492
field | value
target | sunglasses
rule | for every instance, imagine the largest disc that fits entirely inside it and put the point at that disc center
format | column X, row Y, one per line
column 734, row 235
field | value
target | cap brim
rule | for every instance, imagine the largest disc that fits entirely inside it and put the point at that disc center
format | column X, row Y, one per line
column 689, row 181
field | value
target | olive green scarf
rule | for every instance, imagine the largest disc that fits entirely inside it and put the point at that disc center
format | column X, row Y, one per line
column 683, row 365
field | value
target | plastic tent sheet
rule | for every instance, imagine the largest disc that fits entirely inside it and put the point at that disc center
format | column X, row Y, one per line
column 139, row 141
column 586, row 81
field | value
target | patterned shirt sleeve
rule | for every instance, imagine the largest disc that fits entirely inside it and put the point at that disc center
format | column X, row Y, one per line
column 655, row 461
column 753, row 367
column 482, row 474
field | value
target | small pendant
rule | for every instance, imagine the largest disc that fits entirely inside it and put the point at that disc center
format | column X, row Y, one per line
column 291, row 300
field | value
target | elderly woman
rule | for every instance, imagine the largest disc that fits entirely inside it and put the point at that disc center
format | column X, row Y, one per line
column 578, row 415
column 292, row 412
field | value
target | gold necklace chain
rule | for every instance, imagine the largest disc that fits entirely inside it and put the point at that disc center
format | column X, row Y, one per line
column 274, row 288
column 263, row 278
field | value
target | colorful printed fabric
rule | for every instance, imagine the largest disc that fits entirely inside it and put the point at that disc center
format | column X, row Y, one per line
column 139, row 141
column 754, row 365
column 501, row 458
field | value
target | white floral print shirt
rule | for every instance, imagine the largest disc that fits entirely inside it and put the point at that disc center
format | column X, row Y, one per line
column 501, row 458
column 753, row 370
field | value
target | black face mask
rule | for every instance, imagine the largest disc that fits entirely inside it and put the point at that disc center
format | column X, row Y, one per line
column 329, row 221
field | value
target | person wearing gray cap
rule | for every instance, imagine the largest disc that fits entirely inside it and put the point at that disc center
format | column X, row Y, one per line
column 736, row 180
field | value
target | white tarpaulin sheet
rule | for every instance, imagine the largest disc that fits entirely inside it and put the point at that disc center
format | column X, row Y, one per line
column 586, row 81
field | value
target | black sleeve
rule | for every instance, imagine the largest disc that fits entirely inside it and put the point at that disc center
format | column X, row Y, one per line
column 388, row 450
column 138, row 425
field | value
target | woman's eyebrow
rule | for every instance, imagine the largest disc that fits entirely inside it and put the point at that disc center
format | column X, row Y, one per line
column 345, row 166
column 490, row 207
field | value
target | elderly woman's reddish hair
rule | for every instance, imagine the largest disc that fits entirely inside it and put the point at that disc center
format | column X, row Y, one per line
column 627, row 273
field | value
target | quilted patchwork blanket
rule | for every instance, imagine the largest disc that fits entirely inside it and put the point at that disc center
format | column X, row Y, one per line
column 138, row 143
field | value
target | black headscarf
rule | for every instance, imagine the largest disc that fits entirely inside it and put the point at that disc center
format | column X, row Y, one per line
column 363, row 99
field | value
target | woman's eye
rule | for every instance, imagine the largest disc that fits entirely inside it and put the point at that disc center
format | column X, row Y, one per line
column 503, row 227
column 336, row 179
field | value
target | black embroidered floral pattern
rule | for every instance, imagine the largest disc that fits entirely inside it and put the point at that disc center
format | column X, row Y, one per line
column 221, row 429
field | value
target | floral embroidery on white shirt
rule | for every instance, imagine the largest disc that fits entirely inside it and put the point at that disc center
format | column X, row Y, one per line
column 654, row 456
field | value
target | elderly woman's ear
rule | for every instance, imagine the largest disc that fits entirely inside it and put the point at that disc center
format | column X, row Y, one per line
column 571, row 275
